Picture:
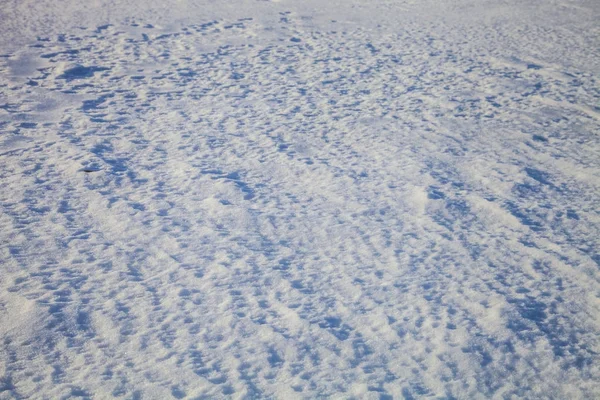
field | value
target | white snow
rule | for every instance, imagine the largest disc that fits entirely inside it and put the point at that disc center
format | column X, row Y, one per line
column 256, row 199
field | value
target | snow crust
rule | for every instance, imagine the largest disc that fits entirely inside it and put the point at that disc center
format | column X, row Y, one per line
column 255, row 199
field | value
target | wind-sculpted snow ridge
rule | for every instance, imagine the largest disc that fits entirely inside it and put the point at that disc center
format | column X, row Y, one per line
column 249, row 211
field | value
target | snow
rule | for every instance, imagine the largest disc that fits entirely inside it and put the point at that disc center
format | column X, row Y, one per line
column 255, row 199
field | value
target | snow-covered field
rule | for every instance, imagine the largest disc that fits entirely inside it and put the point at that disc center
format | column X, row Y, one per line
column 289, row 199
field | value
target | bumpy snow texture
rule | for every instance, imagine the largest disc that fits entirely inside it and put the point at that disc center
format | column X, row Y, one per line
column 281, row 200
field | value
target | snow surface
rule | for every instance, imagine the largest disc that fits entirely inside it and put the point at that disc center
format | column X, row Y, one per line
column 255, row 199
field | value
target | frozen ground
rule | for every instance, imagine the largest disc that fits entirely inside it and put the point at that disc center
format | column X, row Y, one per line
column 254, row 199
